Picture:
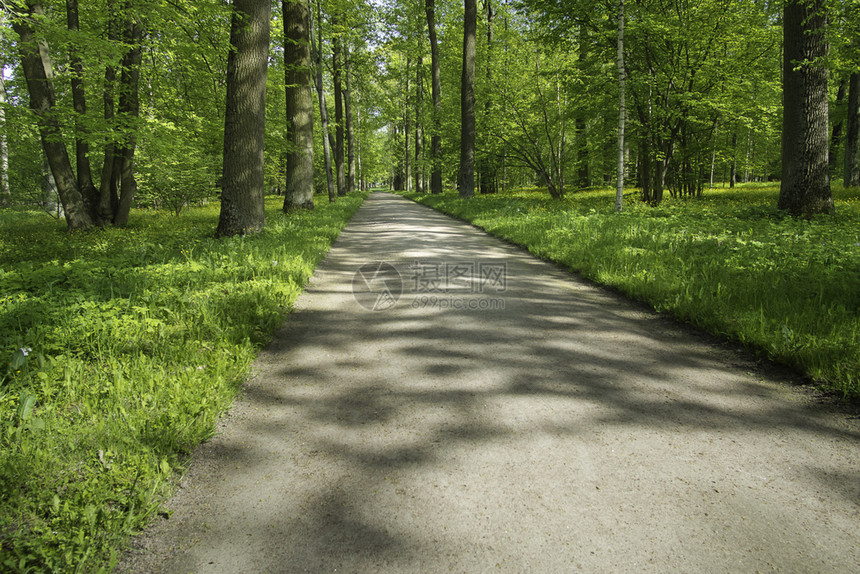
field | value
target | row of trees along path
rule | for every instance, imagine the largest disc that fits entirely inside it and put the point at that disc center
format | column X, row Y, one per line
column 502, row 122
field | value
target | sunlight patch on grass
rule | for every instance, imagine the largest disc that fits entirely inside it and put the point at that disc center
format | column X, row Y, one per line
column 119, row 348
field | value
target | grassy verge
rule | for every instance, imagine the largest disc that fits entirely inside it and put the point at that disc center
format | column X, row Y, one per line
column 118, row 350
column 729, row 262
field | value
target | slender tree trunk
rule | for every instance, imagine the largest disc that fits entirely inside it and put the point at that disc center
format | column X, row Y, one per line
column 467, row 101
column 836, row 133
column 242, row 196
column 487, row 167
column 129, row 110
column 350, row 132
column 5, row 191
column 299, row 189
column 108, row 188
column 805, row 187
column 733, row 176
column 436, row 138
column 407, row 127
column 622, row 111
column 318, row 80
column 82, row 147
column 337, row 72
column 852, row 133
column 38, row 74
column 419, row 136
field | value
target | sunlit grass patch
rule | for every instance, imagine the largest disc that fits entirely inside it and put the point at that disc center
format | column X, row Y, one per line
column 729, row 262
column 118, row 350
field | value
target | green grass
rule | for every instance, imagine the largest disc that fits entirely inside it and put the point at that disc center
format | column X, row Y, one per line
column 730, row 263
column 118, row 350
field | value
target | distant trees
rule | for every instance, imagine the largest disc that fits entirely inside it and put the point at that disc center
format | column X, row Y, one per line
column 242, row 207
column 535, row 90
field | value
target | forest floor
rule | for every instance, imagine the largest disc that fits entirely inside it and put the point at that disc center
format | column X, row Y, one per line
column 468, row 407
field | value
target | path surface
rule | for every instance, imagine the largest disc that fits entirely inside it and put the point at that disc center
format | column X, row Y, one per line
column 570, row 431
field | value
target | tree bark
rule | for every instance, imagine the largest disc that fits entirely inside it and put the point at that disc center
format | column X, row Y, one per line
column 337, row 72
column 242, row 195
column 82, row 147
column 805, row 186
column 619, row 189
column 108, row 186
column 419, row 136
column 5, row 191
column 299, row 189
column 318, row 80
column 467, row 101
column 129, row 111
column 350, row 131
column 852, row 133
column 487, row 165
column 37, row 72
column 436, row 137
column 836, row 132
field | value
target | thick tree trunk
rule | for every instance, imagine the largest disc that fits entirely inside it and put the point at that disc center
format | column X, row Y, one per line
column 37, row 72
column 318, row 80
column 337, row 73
column 852, row 133
column 299, row 189
column 436, row 137
column 805, row 187
column 242, row 195
column 129, row 111
column 82, row 147
column 467, row 101
column 350, row 131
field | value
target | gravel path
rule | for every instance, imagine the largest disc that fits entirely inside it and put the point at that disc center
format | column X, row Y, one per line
column 569, row 431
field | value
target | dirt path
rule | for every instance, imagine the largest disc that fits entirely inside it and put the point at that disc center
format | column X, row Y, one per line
column 569, row 431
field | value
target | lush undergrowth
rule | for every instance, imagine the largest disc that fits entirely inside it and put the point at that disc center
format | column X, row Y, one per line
column 729, row 262
column 118, row 350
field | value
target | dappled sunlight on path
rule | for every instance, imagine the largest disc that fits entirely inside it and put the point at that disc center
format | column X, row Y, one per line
column 569, row 430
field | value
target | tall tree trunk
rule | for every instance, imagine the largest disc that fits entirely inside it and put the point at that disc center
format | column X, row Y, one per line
column 108, row 187
column 836, row 133
column 852, row 133
column 350, row 131
column 318, row 80
column 622, row 111
column 337, row 72
column 467, row 101
column 37, row 69
column 242, row 195
column 436, row 137
column 487, row 167
column 805, row 187
column 733, row 175
column 299, row 189
column 82, row 147
column 419, row 136
column 5, row 192
column 407, row 128
column 129, row 111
